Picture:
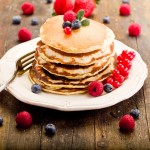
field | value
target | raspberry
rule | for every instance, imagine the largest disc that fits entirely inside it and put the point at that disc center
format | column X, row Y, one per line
column 69, row 16
column 62, row 6
column 134, row 29
column 24, row 119
column 95, row 88
column 127, row 123
column 27, row 8
column 24, row 35
column 125, row 10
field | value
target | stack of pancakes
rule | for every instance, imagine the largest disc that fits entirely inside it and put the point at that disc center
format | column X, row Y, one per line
column 66, row 64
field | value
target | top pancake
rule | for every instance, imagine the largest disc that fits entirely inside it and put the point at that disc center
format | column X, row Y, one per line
column 86, row 39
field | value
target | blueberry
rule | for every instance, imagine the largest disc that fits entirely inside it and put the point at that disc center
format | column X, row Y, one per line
column 76, row 24
column 34, row 21
column 106, row 19
column 125, row 1
column 50, row 129
column 16, row 19
column 66, row 24
column 36, row 88
column 1, row 121
column 135, row 113
column 48, row 1
column 108, row 88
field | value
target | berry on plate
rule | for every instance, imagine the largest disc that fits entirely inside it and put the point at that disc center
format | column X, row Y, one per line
column 36, row 88
column 135, row 113
column 24, row 35
column 16, row 19
column 110, row 80
column 69, row 16
column 27, row 8
column 108, row 88
column 66, row 24
column 34, row 21
column 125, row 10
column 67, row 30
column 95, row 88
column 134, row 29
column 50, row 129
column 116, row 84
column 127, row 123
column 106, row 19
column 76, row 24
column 24, row 119
column 1, row 121
column 62, row 6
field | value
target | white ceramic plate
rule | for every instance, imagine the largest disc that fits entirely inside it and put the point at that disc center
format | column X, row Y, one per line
column 21, row 86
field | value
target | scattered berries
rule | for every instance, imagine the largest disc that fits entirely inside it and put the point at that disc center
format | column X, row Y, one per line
column 106, row 20
column 62, row 6
column 36, row 88
column 24, row 119
column 95, row 88
column 125, row 10
column 16, row 20
column 24, row 35
column 134, row 29
column 49, row 1
column 125, row 1
column 76, row 24
column 67, row 30
column 127, row 123
column 50, row 129
column 34, row 21
column 27, row 8
column 66, row 24
column 108, row 88
column 135, row 113
column 69, row 16
column 1, row 121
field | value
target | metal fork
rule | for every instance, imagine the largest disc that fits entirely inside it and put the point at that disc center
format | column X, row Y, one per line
column 23, row 64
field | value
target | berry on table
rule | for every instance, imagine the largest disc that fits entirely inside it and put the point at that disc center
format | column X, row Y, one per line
column 76, row 24
column 127, row 123
column 36, row 88
column 125, row 10
column 69, row 16
column 134, row 29
column 27, row 8
column 24, row 35
column 66, row 24
column 50, row 129
column 24, row 119
column 16, row 19
column 1, row 121
column 106, row 19
column 49, row 1
column 135, row 113
column 95, row 88
column 125, row 1
column 34, row 21
column 108, row 88
column 67, row 30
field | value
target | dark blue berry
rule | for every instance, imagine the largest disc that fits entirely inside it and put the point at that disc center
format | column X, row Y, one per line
column 16, row 19
column 1, row 121
column 48, row 1
column 76, row 24
column 50, row 129
column 108, row 88
column 106, row 19
column 66, row 24
column 34, row 21
column 36, row 88
column 135, row 113
column 125, row 1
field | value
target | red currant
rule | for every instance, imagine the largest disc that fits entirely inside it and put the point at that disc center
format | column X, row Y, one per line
column 67, row 30
column 116, row 72
column 125, row 72
column 124, row 53
column 130, row 57
column 110, row 80
column 132, row 53
column 116, row 84
column 119, row 58
column 120, row 67
column 120, row 78
column 126, row 62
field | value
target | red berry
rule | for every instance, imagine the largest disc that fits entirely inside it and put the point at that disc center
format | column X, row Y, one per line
column 132, row 53
column 69, row 16
column 125, row 10
column 27, row 8
column 62, row 6
column 119, row 78
column 116, row 72
column 127, row 63
column 134, row 29
column 120, row 67
column 127, row 123
column 116, row 84
column 125, row 72
column 124, row 53
column 95, row 88
column 120, row 58
column 130, row 57
column 110, row 80
column 67, row 30
column 24, row 35
column 87, row 5
column 24, row 119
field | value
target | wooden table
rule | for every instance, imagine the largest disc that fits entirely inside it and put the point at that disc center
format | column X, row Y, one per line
column 96, row 129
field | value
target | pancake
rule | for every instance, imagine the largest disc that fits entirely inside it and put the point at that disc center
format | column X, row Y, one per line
column 86, row 39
